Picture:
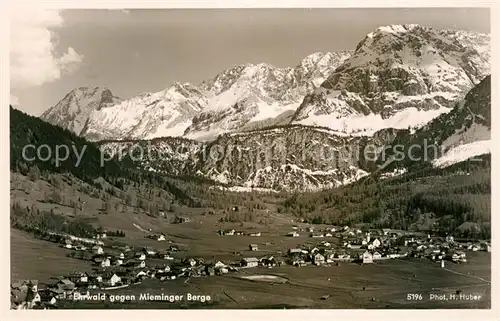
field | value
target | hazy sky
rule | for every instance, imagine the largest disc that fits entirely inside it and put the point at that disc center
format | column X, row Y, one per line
column 135, row 51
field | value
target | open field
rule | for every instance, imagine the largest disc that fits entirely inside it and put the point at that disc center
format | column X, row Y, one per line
column 387, row 283
column 32, row 258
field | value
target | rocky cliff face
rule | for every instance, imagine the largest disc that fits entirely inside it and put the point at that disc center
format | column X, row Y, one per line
column 150, row 115
column 74, row 110
column 399, row 76
column 282, row 158
column 320, row 124
column 461, row 134
column 237, row 96
column 250, row 93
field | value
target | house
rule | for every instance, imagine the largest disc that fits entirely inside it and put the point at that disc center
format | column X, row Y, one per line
column 343, row 256
column 95, row 279
column 102, row 261
column 325, row 243
column 164, row 269
column 317, row 235
column 106, row 262
column 310, row 229
column 191, row 261
column 253, row 247
column 268, row 260
column 141, row 274
column 385, row 231
column 367, row 257
column 68, row 244
column 376, row 256
column 113, row 280
column 294, row 251
column 24, row 295
column 421, row 247
column 65, row 285
column 297, row 261
column 140, row 256
column 450, row 239
column 328, row 235
column 161, row 237
column 475, row 248
column 148, row 250
column 293, row 234
column 318, row 259
column 47, row 297
column 314, row 250
column 255, row 234
column 79, row 277
column 97, row 249
column 219, row 264
column 393, row 255
column 487, row 248
column 140, row 264
column 364, row 242
column 167, row 257
column 222, row 270
column 376, row 243
column 117, row 261
column 250, row 262
column 59, row 293
column 121, row 256
column 209, row 269
column 229, row 232
column 358, row 231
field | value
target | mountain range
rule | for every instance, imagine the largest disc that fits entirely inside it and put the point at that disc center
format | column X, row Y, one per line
column 242, row 94
column 256, row 126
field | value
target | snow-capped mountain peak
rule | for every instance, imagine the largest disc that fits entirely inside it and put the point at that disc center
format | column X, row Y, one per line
column 399, row 76
column 73, row 111
column 241, row 94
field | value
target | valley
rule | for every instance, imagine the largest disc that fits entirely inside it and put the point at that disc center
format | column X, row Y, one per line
column 356, row 179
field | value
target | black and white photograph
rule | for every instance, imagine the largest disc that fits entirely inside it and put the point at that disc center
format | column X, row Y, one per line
column 250, row 158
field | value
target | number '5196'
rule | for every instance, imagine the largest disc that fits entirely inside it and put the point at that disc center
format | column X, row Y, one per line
column 414, row 296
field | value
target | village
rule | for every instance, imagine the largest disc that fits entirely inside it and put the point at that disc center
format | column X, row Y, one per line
column 117, row 266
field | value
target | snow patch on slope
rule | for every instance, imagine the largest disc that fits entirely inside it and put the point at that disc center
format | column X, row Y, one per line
column 462, row 153
column 367, row 125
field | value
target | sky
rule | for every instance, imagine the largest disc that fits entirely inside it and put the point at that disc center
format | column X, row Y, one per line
column 146, row 50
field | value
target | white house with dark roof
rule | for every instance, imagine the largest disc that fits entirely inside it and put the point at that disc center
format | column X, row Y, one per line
column 97, row 249
column 367, row 257
column 250, row 262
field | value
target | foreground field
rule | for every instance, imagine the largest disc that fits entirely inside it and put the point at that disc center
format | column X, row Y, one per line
column 387, row 285
column 40, row 260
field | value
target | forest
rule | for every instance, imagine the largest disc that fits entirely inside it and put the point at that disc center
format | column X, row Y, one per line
column 452, row 200
column 26, row 129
